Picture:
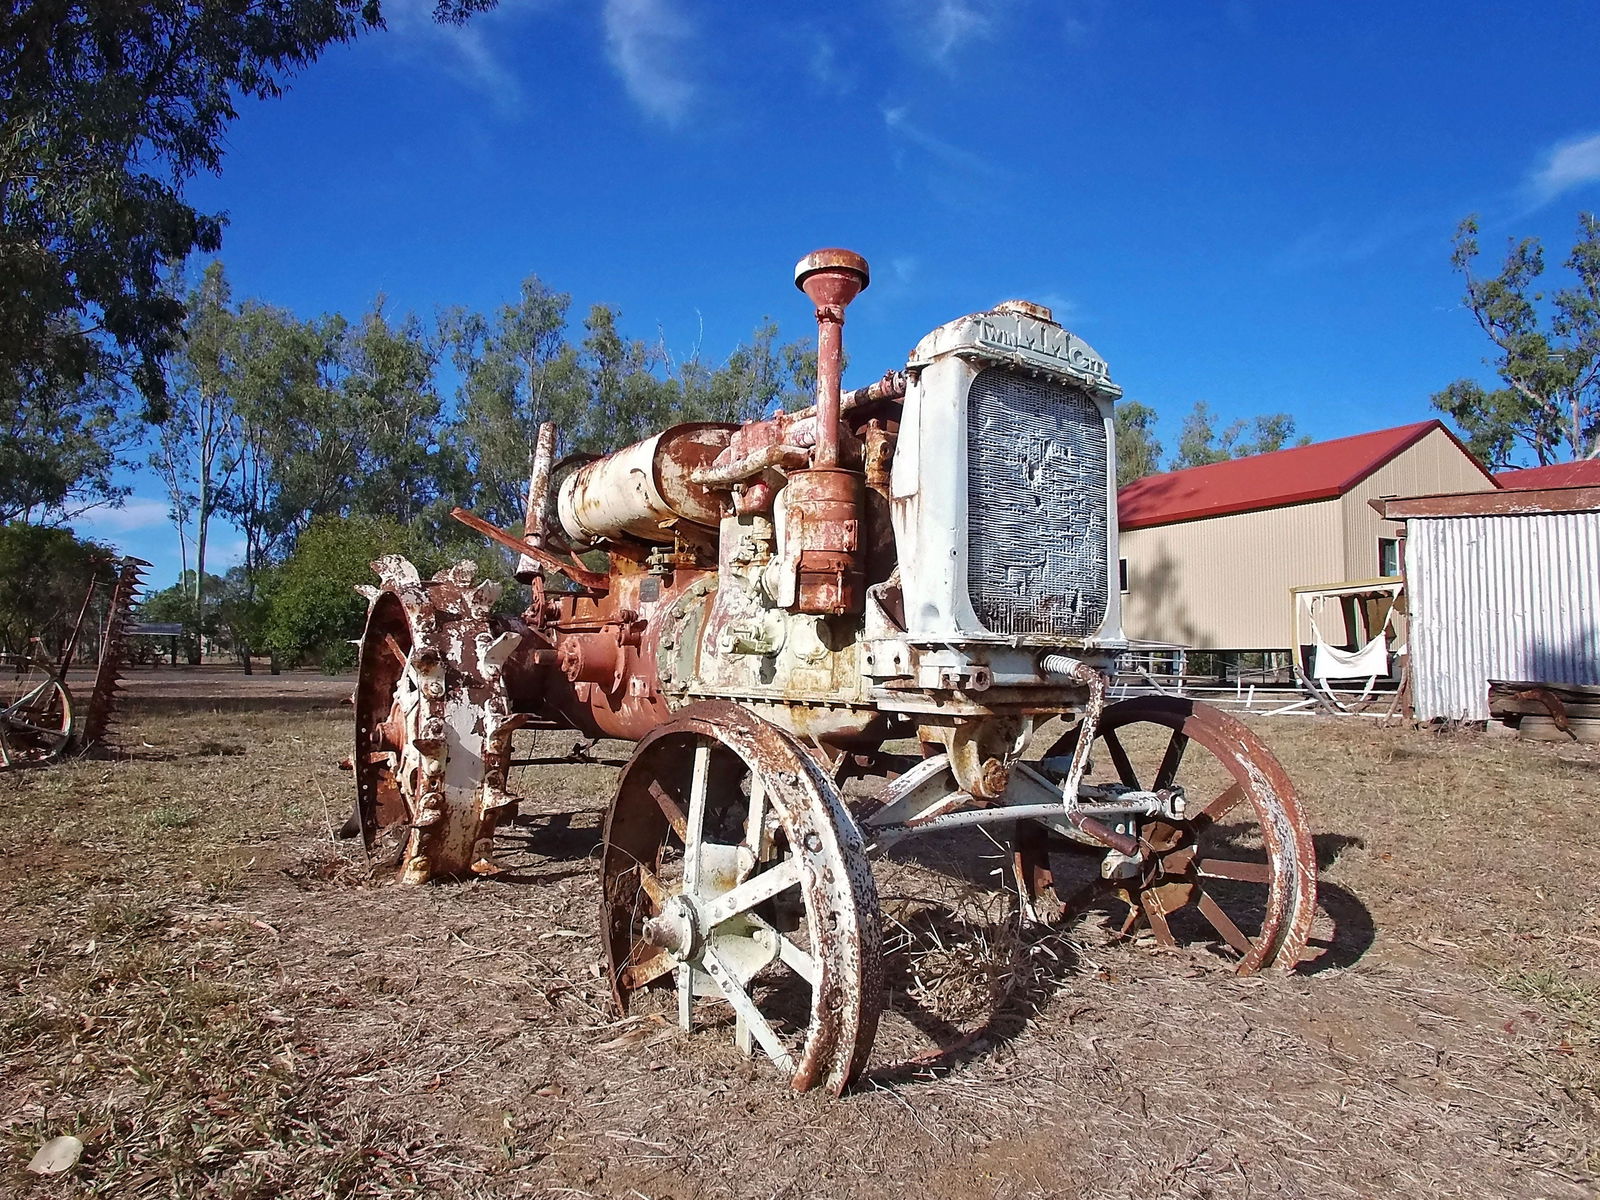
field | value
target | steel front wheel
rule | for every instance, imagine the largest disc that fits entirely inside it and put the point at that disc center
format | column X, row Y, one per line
column 1237, row 870
column 731, row 870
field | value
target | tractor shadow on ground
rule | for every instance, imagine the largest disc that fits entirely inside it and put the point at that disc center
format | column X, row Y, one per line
column 969, row 974
column 541, row 848
column 967, row 988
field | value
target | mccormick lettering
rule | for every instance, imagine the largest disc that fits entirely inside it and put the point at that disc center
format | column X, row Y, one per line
column 1048, row 341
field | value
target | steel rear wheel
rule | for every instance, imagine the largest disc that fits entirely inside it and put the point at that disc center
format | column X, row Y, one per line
column 433, row 730
column 1237, row 872
column 731, row 871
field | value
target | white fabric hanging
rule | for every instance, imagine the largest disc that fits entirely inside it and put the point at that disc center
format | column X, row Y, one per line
column 1330, row 662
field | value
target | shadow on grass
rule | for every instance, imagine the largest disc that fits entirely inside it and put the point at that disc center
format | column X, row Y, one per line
column 1008, row 971
column 164, row 706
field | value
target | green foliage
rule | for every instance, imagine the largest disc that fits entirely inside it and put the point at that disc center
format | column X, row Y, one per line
column 314, row 605
column 59, row 452
column 111, row 107
column 314, row 611
column 1138, row 449
column 1200, row 444
column 520, row 369
column 1547, row 354
column 44, row 576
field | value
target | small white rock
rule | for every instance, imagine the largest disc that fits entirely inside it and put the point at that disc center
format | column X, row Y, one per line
column 57, row 1155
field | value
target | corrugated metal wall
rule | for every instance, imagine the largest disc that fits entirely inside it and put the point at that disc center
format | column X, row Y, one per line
column 1502, row 597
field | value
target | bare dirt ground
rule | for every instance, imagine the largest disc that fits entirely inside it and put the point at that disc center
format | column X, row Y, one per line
column 208, row 990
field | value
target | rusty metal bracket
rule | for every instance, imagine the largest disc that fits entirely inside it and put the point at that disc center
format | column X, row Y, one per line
column 590, row 581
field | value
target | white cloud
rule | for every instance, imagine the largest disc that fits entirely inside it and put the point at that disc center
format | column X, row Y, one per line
column 826, row 69
column 946, row 152
column 467, row 51
column 940, row 29
column 138, row 513
column 1568, row 165
column 650, row 43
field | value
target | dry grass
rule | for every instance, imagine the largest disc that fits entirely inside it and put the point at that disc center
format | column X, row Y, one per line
column 206, row 988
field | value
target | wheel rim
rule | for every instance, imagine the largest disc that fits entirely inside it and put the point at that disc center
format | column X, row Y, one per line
column 433, row 728
column 731, row 870
column 1238, row 871
column 37, row 723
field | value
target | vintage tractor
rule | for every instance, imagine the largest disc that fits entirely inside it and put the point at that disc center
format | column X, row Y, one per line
column 931, row 558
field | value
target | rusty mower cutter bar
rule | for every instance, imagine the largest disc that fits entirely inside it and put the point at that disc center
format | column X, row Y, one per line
column 930, row 557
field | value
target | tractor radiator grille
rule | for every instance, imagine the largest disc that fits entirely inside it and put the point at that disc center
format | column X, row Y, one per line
column 1036, row 506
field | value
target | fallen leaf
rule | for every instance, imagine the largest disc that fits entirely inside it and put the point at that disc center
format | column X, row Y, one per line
column 57, row 1155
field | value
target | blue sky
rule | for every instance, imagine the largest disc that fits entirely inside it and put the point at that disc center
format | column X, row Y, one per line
column 1241, row 202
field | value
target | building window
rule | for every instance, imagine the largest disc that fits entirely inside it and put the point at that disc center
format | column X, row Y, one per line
column 1122, row 575
column 1388, row 558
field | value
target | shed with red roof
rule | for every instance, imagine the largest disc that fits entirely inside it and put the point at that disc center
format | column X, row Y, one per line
column 1210, row 553
column 1583, row 473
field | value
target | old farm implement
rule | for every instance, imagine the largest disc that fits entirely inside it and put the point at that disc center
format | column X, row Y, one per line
column 930, row 558
column 39, row 720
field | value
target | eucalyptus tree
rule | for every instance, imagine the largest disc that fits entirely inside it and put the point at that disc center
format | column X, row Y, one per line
column 518, row 370
column 1200, row 444
column 1138, row 448
column 1546, row 353
column 198, row 451
column 110, row 108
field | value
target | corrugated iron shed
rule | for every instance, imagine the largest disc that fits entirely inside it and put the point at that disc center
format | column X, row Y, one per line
column 1502, row 585
column 1294, row 476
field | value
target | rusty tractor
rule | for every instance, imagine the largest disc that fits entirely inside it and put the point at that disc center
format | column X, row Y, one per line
column 931, row 559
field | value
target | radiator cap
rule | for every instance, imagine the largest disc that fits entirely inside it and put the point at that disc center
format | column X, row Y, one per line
column 1026, row 308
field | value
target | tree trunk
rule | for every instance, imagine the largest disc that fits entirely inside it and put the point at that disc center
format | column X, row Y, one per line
column 202, row 518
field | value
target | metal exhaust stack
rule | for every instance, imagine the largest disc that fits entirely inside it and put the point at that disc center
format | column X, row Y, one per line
column 822, row 504
column 830, row 279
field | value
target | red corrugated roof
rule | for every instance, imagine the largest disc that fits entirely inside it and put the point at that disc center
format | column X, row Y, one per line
column 1293, row 476
column 1583, row 473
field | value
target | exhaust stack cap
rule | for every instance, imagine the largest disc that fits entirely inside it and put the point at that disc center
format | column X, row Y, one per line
column 832, row 276
column 1026, row 308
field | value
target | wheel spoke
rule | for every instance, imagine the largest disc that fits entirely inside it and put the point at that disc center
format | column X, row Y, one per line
column 745, row 1008
column 1212, row 911
column 652, row 968
column 1156, row 915
column 752, row 892
column 1172, row 760
column 41, row 730
column 1227, row 868
column 651, row 885
column 393, row 647
column 755, row 827
column 694, row 831
column 671, row 810
column 1218, row 808
column 797, row 960
column 1119, row 758
column 685, row 996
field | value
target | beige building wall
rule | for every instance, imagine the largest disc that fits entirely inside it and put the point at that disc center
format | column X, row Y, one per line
column 1434, row 464
column 1223, row 582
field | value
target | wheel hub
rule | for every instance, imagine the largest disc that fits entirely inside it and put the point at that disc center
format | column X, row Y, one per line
column 676, row 930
